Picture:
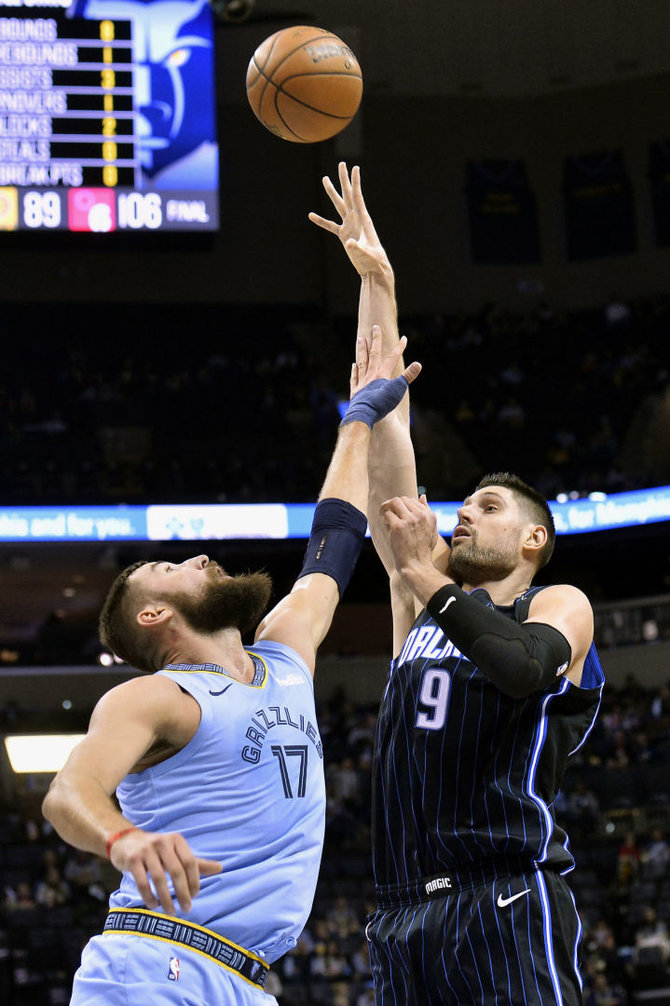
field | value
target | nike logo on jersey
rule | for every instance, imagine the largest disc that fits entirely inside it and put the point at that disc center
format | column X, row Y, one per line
column 446, row 605
column 222, row 690
column 503, row 902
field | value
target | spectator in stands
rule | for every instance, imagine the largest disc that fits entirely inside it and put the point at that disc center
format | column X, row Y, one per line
column 655, row 856
column 367, row 996
column 83, row 871
column 605, row 993
column 628, row 861
column 19, row 897
column 583, row 808
column 343, row 920
column 53, row 890
column 660, row 704
column 652, row 933
column 344, row 779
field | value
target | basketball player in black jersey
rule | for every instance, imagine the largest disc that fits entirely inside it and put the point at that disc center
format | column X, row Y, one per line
column 493, row 685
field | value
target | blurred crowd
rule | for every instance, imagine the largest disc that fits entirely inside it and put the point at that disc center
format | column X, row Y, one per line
column 615, row 806
column 206, row 404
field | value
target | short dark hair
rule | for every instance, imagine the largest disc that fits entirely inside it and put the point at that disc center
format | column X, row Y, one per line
column 532, row 501
column 117, row 626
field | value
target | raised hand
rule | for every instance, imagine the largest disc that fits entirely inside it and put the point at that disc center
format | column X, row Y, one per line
column 355, row 229
column 373, row 392
column 412, row 531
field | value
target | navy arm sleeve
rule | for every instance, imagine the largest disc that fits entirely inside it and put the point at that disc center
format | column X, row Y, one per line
column 518, row 659
column 335, row 542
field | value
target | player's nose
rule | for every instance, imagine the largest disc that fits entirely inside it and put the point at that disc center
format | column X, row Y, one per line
column 464, row 516
column 198, row 561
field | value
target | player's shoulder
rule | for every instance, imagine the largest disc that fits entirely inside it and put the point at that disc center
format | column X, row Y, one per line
column 561, row 590
column 272, row 653
column 152, row 689
column 563, row 595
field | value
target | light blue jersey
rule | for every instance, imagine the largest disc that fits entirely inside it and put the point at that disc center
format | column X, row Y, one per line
column 248, row 790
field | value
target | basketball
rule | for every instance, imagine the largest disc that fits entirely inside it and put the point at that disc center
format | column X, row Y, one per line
column 304, row 84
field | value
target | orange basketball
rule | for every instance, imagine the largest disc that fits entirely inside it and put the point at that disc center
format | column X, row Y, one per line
column 304, row 84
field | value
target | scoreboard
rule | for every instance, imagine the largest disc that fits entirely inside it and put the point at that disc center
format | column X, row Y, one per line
column 107, row 116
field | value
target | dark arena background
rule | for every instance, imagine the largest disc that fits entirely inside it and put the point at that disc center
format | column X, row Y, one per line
column 187, row 345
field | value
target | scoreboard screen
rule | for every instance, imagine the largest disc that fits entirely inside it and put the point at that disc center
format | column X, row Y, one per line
column 107, row 116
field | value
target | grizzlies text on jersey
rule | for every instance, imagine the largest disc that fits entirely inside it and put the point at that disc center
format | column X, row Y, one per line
column 247, row 790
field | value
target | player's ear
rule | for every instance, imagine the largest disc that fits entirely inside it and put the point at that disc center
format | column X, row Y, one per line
column 536, row 538
column 153, row 615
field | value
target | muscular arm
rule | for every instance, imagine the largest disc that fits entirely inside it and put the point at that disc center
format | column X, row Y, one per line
column 391, row 464
column 302, row 619
column 126, row 724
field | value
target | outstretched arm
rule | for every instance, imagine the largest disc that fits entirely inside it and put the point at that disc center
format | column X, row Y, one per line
column 356, row 231
column 302, row 619
column 391, row 463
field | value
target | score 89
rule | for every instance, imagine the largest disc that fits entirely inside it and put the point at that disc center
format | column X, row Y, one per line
column 41, row 209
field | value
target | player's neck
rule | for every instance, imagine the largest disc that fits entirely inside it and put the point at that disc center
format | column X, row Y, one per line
column 223, row 648
column 505, row 591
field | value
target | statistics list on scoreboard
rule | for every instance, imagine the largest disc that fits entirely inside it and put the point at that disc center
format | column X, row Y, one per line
column 95, row 131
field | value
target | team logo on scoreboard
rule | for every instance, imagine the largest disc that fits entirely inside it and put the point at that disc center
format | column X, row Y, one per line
column 91, row 210
column 9, row 208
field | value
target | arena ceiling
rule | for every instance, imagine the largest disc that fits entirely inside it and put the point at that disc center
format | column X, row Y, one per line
column 478, row 47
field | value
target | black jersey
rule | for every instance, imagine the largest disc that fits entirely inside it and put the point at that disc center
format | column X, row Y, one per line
column 462, row 773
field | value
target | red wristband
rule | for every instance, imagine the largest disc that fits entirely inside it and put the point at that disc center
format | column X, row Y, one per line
column 112, row 840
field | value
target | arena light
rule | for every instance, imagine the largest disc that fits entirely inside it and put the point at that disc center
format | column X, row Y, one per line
column 39, row 752
column 234, row 11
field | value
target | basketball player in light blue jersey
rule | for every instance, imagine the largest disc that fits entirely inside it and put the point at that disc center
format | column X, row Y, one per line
column 215, row 754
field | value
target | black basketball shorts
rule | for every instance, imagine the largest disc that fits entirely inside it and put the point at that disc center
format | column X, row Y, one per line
column 511, row 942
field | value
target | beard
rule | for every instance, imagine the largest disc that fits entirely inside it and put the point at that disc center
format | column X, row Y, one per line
column 473, row 564
column 235, row 603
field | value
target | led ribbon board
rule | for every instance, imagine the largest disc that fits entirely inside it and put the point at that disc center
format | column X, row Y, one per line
column 209, row 522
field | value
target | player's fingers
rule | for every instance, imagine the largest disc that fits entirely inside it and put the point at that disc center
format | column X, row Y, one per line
column 345, row 182
column 141, row 878
column 362, row 351
column 208, row 867
column 359, row 202
column 412, row 372
column 351, row 244
column 189, row 866
column 375, row 346
column 181, row 866
column 156, row 872
column 395, row 353
column 334, row 196
column 327, row 225
column 390, row 518
column 396, row 505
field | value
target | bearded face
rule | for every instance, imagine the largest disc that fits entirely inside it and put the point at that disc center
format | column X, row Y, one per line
column 473, row 563
column 237, row 602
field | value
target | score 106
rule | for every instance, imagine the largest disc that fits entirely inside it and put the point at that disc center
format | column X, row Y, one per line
column 90, row 209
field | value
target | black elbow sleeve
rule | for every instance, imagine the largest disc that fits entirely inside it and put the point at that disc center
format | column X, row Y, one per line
column 518, row 659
